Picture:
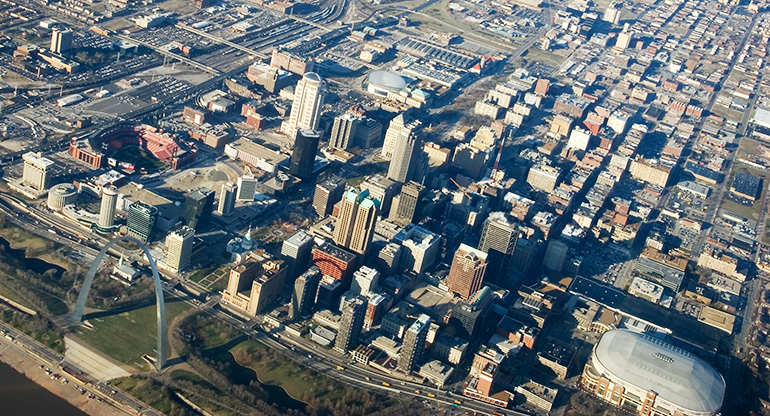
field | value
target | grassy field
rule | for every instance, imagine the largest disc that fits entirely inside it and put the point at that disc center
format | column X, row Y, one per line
column 290, row 376
column 22, row 239
column 128, row 336
column 548, row 58
column 204, row 272
column 140, row 158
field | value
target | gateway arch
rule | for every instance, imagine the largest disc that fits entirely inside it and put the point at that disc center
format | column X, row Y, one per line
column 77, row 315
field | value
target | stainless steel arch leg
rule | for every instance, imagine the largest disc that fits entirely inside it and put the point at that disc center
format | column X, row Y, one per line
column 77, row 314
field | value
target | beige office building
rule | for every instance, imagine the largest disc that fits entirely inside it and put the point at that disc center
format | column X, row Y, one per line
column 306, row 107
column 179, row 249
column 36, row 170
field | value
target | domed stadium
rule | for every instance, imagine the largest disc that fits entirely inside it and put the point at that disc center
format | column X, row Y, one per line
column 383, row 82
column 647, row 375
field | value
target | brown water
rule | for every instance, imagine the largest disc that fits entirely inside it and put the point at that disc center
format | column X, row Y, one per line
column 20, row 396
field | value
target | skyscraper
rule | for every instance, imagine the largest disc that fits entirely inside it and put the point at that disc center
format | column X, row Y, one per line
column 555, row 255
column 306, row 107
column 141, row 220
column 179, row 249
column 467, row 272
column 343, row 131
column 303, row 156
column 498, row 240
column 107, row 209
column 247, row 188
column 381, row 189
column 405, row 156
column 297, row 250
column 405, row 204
column 402, row 123
column 36, row 170
column 612, row 14
column 351, row 324
column 355, row 223
column 420, row 247
column 61, row 41
column 389, row 259
column 197, row 208
column 303, row 296
column 328, row 193
column 227, row 199
column 414, row 344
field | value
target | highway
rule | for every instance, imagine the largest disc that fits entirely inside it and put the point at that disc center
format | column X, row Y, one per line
column 308, row 354
column 222, row 41
column 46, row 356
column 204, row 68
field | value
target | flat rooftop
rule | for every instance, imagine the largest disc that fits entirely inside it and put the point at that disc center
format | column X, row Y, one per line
column 165, row 206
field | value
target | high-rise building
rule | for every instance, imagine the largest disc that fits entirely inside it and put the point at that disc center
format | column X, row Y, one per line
column 364, row 280
column 336, row 262
column 179, row 249
column 471, row 159
column 555, row 255
column 306, row 107
column 351, row 324
column 468, row 318
column 612, row 14
column 328, row 193
column 355, row 223
column 414, row 344
column 381, row 189
column 389, row 259
column 197, row 208
column 498, row 240
column 401, row 124
column 107, row 209
column 467, row 272
column 368, row 133
column 303, row 296
column 247, row 188
column 343, row 131
column 404, row 210
column 303, row 155
column 623, row 39
column 227, row 197
column 376, row 307
column 406, row 154
column 61, row 41
column 141, row 220
column 420, row 248
column 296, row 250
column 36, row 170
column 579, row 139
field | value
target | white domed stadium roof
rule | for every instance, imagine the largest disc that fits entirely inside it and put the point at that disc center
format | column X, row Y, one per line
column 388, row 80
column 654, row 365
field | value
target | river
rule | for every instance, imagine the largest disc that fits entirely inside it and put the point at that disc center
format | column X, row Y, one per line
column 20, row 396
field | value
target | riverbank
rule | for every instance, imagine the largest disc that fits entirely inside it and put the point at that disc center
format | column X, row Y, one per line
column 29, row 366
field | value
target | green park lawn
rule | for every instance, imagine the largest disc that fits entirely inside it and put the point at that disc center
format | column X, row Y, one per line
column 290, row 376
column 128, row 336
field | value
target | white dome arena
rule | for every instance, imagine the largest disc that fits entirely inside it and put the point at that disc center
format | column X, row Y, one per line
column 683, row 383
column 383, row 82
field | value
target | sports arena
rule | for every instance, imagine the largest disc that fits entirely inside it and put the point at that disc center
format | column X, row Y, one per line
column 648, row 376
column 172, row 150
